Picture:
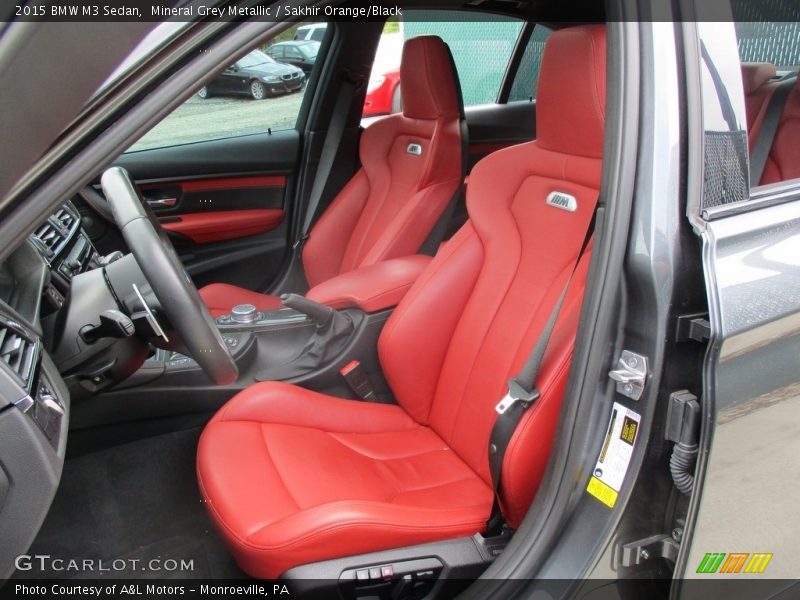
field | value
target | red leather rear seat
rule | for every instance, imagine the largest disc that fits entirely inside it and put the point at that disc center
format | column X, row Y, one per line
column 784, row 158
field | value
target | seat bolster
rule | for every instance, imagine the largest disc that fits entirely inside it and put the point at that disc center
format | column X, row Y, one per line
column 221, row 297
column 348, row 528
column 413, row 344
column 529, row 448
column 285, row 404
column 413, row 223
column 324, row 251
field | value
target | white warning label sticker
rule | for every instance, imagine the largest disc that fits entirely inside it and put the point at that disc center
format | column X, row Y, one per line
column 615, row 456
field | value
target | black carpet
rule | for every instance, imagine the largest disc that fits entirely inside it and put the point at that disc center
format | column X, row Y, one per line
column 139, row 502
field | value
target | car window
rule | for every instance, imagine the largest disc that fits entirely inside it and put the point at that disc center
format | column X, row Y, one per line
column 292, row 52
column 481, row 46
column 527, row 76
column 254, row 59
column 309, row 50
column 255, row 95
column 776, row 43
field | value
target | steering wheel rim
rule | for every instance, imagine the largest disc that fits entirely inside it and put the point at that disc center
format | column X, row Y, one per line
column 169, row 280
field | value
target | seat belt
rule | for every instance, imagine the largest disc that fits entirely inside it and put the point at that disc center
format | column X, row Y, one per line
column 522, row 394
column 769, row 128
column 350, row 84
column 439, row 232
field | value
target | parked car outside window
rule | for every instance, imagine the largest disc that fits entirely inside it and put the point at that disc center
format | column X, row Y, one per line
column 299, row 54
column 256, row 75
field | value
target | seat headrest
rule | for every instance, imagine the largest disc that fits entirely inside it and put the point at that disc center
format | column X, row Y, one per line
column 756, row 74
column 429, row 83
column 571, row 98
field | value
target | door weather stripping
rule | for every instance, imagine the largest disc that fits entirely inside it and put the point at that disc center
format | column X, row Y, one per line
column 630, row 374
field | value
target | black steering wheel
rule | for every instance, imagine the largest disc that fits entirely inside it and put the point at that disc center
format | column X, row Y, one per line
column 170, row 282
column 95, row 199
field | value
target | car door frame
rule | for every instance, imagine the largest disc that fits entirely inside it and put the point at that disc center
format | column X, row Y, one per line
column 749, row 334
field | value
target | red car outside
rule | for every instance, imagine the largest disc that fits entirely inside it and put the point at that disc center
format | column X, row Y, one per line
column 383, row 90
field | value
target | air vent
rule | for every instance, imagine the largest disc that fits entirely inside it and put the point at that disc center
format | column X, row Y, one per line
column 53, row 232
column 66, row 218
column 17, row 352
column 50, row 235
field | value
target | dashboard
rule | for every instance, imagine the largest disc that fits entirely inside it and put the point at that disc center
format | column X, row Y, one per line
column 34, row 399
column 73, row 324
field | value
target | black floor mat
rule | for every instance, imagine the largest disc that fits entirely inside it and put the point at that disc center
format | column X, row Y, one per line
column 130, row 505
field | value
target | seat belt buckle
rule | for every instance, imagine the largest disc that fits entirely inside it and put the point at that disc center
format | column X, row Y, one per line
column 358, row 380
column 516, row 393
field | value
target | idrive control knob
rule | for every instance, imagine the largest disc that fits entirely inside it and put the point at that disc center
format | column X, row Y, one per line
column 243, row 313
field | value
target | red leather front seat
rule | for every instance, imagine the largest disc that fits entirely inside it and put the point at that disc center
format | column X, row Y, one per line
column 393, row 202
column 292, row 476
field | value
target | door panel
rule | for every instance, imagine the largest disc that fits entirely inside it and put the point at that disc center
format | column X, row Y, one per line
column 751, row 383
column 217, row 226
column 224, row 203
column 215, row 194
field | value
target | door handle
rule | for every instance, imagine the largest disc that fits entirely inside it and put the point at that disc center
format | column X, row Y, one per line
column 162, row 202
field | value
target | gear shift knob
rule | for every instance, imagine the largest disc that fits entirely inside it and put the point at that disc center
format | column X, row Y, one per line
column 318, row 312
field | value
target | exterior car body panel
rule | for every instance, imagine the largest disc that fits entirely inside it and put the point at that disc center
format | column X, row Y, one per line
column 755, row 378
column 751, row 253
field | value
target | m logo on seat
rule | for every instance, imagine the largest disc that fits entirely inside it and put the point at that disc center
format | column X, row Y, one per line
column 562, row 201
column 414, row 149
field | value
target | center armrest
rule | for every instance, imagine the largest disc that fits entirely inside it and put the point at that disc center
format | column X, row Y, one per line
column 371, row 288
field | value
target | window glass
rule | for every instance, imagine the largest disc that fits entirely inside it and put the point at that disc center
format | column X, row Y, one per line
column 254, row 59
column 481, row 45
column 256, row 94
column 776, row 43
column 527, row 76
column 308, row 50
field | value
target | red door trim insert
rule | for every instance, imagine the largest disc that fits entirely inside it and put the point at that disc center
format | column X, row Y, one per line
column 216, row 226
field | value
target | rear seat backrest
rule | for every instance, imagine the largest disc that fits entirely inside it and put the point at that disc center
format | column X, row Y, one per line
column 755, row 76
column 783, row 163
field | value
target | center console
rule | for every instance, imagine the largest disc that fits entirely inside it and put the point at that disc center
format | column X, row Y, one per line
column 325, row 341
column 246, row 317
